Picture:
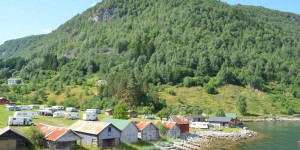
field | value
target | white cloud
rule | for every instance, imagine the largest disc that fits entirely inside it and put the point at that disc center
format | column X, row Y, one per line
column 93, row 4
column 47, row 31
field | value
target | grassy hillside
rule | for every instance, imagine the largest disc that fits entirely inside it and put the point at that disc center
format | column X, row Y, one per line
column 259, row 104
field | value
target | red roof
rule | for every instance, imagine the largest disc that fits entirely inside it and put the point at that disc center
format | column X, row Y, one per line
column 179, row 119
column 52, row 133
column 168, row 124
column 143, row 124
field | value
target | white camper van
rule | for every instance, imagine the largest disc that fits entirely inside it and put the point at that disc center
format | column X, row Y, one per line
column 97, row 111
column 59, row 107
column 72, row 116
column 50, row 109
column 90, row 117
column 59, row 114
column 23, row 107
column 201, row 125
column 20, row 121
column 42, row 106
column 34, row 106
column 29, row 114
column 44, row 113
column 71, row 109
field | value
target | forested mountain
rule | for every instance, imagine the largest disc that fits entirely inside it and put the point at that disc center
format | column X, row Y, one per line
column 138, row 45
column 12, row 47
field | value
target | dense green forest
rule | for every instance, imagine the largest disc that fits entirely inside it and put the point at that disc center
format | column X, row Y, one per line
column 139, row 45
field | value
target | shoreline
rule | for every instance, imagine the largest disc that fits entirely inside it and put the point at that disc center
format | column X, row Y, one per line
column 272, row 120
column 210, row 139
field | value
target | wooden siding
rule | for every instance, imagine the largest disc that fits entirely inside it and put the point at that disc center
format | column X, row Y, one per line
column 175, row 131
column 21, row 142
column 130, row 134
column 149, row 133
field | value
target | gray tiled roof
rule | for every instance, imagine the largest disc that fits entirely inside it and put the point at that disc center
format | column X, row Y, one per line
column 219, row 119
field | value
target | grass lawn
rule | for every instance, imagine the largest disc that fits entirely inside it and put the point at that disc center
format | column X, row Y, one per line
column 136, row 146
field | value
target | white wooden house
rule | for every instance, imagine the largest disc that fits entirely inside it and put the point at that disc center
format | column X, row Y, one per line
column 147, row 131
column 129, row 129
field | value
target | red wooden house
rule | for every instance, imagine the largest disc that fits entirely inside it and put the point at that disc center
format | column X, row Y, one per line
column 183, row 123
column 4, row 101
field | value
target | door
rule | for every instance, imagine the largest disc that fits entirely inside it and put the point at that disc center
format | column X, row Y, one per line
column 8, row 144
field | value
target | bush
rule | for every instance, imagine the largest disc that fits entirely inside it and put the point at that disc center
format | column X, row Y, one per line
column 35, row 136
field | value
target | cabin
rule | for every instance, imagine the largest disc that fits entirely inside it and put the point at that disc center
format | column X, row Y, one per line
column 11, row 139
column 132, row 114
column 219, row 121
column 15, row 81
column 234, row 118
column 147, row 131
column 182, row 122
column 173, row 128
column 109, row 112
column 59, row 138
column 129, row 130
column 195, row 118
column 4, row 101
column 97, row 134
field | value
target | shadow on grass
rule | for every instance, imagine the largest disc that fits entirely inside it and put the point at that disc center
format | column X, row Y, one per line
column 136, row 146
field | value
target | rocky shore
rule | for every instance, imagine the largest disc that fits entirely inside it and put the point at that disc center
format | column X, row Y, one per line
column 206, row 139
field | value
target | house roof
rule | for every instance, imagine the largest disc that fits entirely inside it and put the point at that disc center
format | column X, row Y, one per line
column 143, row 124
column 168, row 124
column 131, row 111
column 194, row 116
column 179, row 119
column 91, row 127
column 53, row 133
column 219, row 119
column 8, row 128
column 108, row 110
column 119, row 123
column 231, row 115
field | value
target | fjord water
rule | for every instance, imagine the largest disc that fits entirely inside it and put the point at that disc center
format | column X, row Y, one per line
column 277, row 136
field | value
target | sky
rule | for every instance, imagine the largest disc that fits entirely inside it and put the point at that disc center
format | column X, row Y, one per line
column 20, row 18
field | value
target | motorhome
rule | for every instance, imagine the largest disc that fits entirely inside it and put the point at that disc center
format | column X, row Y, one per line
column 59, row 114
column 13, row 108
column 44, row 113
column 71, row 109
column 23, row 107
column 42, row 107
column 59, row 107
column 97, row 111
column 72, row 116
column 29, row 114
column 20, row 121
column 51, row 109
column 201, row 125
column 34, row 106
column 90, row 117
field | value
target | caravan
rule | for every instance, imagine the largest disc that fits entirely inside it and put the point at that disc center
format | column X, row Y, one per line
column 33, row 106
column 201, row 125
column 97, row 111
column 50, row 109
column 72, row 116
column 26, row 121
column 90, row 117
column 59, row 114
column 59, row 107
column 71, row 109
column 29, row 114
column 24, row 107
column 13, row 108
column 44, row 113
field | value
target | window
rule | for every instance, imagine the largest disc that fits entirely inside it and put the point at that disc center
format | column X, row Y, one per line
column 14, row 118
column 109, row 131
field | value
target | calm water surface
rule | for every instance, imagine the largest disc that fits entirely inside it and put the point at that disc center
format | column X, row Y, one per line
column 278, row 136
